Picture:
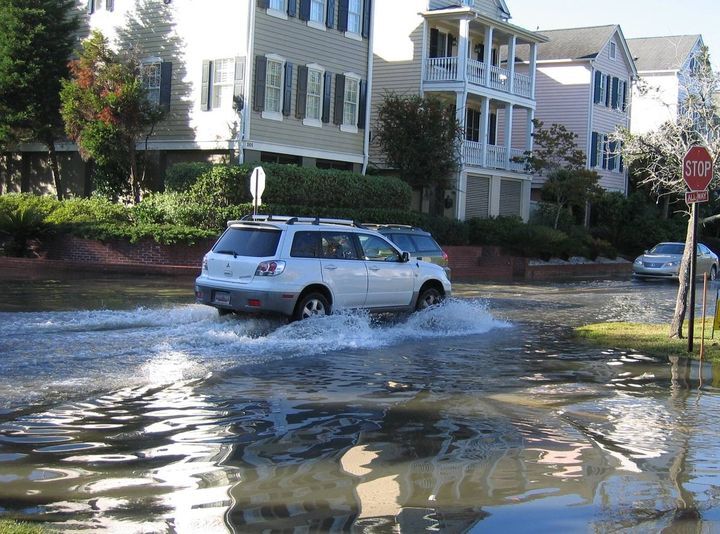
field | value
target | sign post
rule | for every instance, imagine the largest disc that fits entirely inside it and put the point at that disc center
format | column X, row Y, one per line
column 257, row 186
column 697, row 171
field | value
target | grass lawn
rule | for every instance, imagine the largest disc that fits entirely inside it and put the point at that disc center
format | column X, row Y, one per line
column 14, row 527
column 651, row 338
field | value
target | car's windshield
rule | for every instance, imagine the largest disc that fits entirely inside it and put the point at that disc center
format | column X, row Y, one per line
column 254, row 242
column 668, row 248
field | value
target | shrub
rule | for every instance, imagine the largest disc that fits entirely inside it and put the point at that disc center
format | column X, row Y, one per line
column 181, row 176
column 88, row 210
column 493, row 231
column 20, row 226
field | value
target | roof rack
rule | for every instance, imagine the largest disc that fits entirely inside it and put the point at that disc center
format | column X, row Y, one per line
column 399, row 226
column 287, row 219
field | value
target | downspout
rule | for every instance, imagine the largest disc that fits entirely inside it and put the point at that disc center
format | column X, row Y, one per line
column 245, row 113
column 368, row 97
column 588, row 133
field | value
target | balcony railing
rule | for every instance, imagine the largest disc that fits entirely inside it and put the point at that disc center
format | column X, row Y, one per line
column 496, row 156
column 445, row 69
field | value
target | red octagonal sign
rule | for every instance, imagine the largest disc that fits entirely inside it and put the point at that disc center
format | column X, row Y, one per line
column 697, row 169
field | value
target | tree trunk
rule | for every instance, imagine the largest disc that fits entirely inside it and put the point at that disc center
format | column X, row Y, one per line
column 683, row 286
column 54, row 166
column 134, row 181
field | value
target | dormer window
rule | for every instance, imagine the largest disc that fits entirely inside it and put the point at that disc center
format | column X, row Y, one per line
column 613, row 50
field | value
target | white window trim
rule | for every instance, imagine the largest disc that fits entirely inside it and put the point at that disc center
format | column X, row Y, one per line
column 351, row 128
column 354, row 36
column 275, row 115
column 316, row 123
column 152, row 61
column 358, row 34
column 278, row 13
column 319, row 24
column 613, row 50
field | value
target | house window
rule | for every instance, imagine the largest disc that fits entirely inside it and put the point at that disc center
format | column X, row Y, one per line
column 273, row 86
column 472, row 125
column 313, row 100
column 151, row 78
column 603, row 90
column 276, row 5
column 613, row 50
column 317, row 11
column 222, row 82
column 350, row 104
column 354, row 21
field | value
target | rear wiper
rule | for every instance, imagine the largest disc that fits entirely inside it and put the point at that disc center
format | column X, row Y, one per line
column 227, row 252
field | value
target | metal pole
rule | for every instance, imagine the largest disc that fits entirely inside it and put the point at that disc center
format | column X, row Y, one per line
column 693, row 258
column 702, row 336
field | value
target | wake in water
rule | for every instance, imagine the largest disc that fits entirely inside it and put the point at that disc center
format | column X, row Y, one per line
column 82, row 351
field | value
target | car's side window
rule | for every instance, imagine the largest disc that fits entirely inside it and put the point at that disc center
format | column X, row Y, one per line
column 338, row 245
column 377, row 249
column 403, row 242
column 305, row 245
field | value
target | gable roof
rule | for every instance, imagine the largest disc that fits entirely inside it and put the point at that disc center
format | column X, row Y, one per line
column 575, row 43
column 668, row 52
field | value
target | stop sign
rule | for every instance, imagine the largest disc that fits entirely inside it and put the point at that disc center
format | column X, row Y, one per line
column 697, row 168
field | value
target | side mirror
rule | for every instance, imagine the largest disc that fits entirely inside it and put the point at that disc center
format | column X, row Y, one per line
column 405, row 256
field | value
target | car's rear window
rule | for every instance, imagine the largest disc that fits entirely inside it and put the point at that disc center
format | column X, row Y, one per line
column 426, row 244
column 254, row 242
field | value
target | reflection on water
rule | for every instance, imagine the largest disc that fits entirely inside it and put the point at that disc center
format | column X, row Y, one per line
column 477, row 415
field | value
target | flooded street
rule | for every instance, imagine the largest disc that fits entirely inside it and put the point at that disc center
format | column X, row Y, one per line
column 126, row 407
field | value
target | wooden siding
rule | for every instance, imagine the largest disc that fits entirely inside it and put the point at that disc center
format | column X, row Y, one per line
column 300, row 44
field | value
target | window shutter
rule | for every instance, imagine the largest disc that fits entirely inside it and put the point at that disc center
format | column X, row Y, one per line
column 480, row 49
column 612, row 156
column 301, row 98
column 239, row 84
column 304, row 10
column 292, row 8
column 165, row 85
column 598, row 85
column 263, row 4
column 330, row 18
column 205, row 88
column 287, row 90
column 339, row 98
column 366, row 18
column 621, row 166
column 434, row 41
column 110, row 5
column 260, row 72
column 593, row 149
column 494, row 57
column 91, row 7
column 605, row 152
column 615, row 92
column 327, row 85
column 624, row 96
column 492, row 127
column 608, row 83
column 362, row 106
column 343, row 15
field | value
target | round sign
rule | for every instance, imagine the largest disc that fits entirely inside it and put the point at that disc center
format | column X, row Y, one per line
column 697, row 168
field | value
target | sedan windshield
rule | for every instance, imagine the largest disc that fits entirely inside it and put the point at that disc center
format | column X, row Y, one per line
column 668, row 248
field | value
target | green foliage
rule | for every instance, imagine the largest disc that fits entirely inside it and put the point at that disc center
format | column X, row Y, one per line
column 571, row 188
column 553, row 148
column 89, row 210
column 181, row 176
column 19, row 527
column 20, row 226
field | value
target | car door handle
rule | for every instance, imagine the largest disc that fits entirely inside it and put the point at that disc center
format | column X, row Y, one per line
column 330, row 267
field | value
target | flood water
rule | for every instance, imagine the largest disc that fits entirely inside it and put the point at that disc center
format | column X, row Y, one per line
column 126, row 407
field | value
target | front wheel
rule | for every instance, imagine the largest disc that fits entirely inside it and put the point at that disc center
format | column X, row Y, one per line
column 428, row 297
column 713, row 273
column 311, row 304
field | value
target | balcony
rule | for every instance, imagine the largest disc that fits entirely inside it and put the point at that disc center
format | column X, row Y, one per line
column 491, row 156
column 479, row 74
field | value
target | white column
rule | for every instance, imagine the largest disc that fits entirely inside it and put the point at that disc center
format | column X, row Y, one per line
column 508, row 133
column 461, row 195
column 487, row 56
column 463, row 39
column 511, row 63
column 484, row 124
column 532, row 69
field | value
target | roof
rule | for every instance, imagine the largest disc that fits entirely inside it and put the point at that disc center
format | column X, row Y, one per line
column 574, row 43
column 668, row 52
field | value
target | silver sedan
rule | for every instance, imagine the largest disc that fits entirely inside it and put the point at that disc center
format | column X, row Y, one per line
column 663, row 261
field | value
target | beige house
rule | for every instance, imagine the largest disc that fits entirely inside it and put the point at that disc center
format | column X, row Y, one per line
column 255, row 80
column 583, row 81
column 452, row 49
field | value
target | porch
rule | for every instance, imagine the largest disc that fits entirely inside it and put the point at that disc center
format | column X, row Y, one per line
column 478, row 74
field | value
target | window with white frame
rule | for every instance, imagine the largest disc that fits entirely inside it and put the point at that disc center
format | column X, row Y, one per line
column 223, row 74
column 313, row 100
column 277, row 5
column 354, row 20
column 613, row 50
column 317, row 11
column 151, row 78
column 273, row 86
column 603, row 90
column 351, row 103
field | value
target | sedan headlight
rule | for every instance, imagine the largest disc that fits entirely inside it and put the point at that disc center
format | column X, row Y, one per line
column 638, row 261
column 672, row 263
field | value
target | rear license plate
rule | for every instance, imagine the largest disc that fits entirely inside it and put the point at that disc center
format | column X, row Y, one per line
column 221, row 297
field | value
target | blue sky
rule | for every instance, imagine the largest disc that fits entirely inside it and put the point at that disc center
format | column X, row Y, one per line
column 637, row 18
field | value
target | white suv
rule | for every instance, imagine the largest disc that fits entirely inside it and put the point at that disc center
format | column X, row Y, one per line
column 298, row 267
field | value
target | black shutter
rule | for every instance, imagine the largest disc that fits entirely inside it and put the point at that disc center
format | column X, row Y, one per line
column 434, row 42
column 597, row 87
column 301, row 98
column 91, row 7
column 621, row 165
column 615, row 93
column 362, row 107
column 492, row 127
column 260, row 72
column 343, row 15
column 339, row 99
column 304, row 10
column 605, row 152
column 494, row 57
column 327, row 86
column 110, row 5
column 239, row 84
column 366, row 18
column 330, row 18
column 480, row 49
column 593, row 149
column 165, row 85
column 608, row 83
column 205, row 88
column 287, row 90
column 624, row 97
column 292, row 8
column 263, row 4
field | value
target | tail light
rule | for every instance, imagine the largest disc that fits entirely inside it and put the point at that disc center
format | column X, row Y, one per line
column 205, row 264
column 270, row 268
column 445, row 256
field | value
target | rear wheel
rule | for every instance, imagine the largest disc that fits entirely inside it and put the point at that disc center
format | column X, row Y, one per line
column 311, row 304
column 713, row 272
column 428, row 297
